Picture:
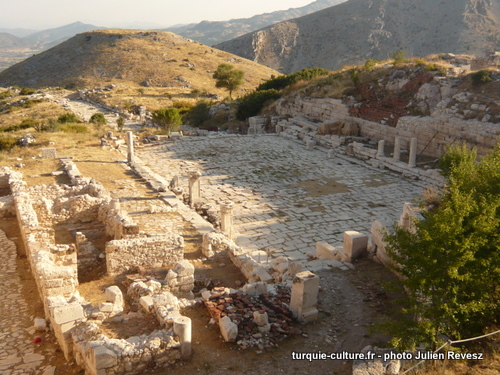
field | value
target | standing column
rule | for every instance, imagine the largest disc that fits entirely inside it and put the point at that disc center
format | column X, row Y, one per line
column 182, row 328
column 397, row 148
column 194, row 187
column 412, row 162
column 305, row 296
column 226, row 218
column 380, row 151
column 130, row 149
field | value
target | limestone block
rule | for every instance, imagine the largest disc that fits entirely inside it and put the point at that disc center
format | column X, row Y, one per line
column 49, row 153
column 354, row 244
column 185, row 280
column 104, row 358
column 228, row 329
column 261, row 319
column 154, row 286
column 67, row 313
column 262, row 274
column 327, row 251
column 280, row 264
column 106, row 307
column 183, row 268
column 114, row 295
column 165, row 299
column 146, row 303
column 305, row 296
column 40, row 324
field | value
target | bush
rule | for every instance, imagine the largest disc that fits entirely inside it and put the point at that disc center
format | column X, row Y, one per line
column 5, row 94
column 68, row 117
column 199, row 113
column 50, row 126
column 168, row 118
column 183, row 106
column 481, row 76
column 399, row 57
column 25, row 124
column 370, row 64
column 7, row 142
column 252, row 103
column 120, row 123
column 98, row 119
column 73, row 128
column 420, row 62
column 26, row 91
column 279, row 83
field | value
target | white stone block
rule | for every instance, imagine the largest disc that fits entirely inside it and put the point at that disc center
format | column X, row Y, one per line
column 184, row 268
column 67, row 313
column 263, row 275
column 106, row 307
column 228, row 329
column 40, row 324
column 354, row 244
column 114, row 295
column 104, row 358
column 147, row 303
column 304, row 296
column 260, row 319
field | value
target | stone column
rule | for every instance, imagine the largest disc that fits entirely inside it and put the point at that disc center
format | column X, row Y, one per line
column 305, row 296
column 194, row 187
column 130, row 149
column 182, row 328
column 226, row 218
column 397, row 148
column 354, row 244
column 380, row 151
column 412, row 162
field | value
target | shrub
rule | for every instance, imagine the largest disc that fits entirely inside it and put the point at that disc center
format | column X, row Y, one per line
column 183, row 106
column 98, row 119
column 7, row 142
column 354, row 74
column 26, row 91
column 370, row 64
column 168, row 118
column 120, row 123
column 5, row 94
column 280, row 82
column 399, row 57
column 68, row 117
column 50, row 126
column 481, row 76
column 73, row 128
column 252, row 103
column 420, row 62
column 199, row 113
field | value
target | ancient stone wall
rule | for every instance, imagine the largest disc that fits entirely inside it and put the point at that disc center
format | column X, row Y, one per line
column 155, row 251
column 433, row 134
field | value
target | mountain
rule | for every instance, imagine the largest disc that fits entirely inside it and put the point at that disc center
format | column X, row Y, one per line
column 131, row 57
column 59, row 34
column 9, row 41
column 357, row 30
column 21, row 33
column 211, row 33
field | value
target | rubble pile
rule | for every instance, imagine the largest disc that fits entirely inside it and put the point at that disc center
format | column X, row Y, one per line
column 262, row 320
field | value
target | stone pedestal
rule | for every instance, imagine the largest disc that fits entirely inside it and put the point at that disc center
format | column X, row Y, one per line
column 397, row 148
column 194, row 187
column 354, row 244
column 182, row 328
column 305, row 296
column 412, row 162
column 130, row 147
column 380, row 151
column 226, row 218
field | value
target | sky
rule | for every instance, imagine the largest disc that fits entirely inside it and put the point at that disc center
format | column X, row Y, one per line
column 43, row 14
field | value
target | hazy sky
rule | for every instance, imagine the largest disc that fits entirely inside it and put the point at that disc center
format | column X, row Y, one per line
column 42, row 14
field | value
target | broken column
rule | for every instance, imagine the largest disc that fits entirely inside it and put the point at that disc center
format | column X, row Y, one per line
column 397, row 148
column 228, row 329
column 182, row 328
column 354, row 244
column 130, row 147
column 262, row 320
column 380, row 151
column 226, row 218
column 412, row 161
column 305, row 296
column 194, row 187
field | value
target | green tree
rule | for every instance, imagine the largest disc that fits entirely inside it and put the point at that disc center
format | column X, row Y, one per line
column 168, row 118
column 199, row 113
column 451, row 264
column 252, row 103
column 120, row 123
column 228, row 77
column 68, row 117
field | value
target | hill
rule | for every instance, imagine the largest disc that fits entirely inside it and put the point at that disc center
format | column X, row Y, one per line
column 128, row 57
column 60, row 34
column 211, row 33
column 9, row 41
column 352, row 32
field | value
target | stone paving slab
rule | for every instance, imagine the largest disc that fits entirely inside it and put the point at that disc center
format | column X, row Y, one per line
column 286, row 197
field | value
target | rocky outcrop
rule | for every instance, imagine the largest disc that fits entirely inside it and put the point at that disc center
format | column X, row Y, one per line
column 352, row 32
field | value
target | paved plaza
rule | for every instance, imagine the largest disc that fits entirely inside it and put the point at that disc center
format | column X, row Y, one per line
column 286, row 197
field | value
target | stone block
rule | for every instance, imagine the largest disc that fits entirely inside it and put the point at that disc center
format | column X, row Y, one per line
column 354, row 244
column 40, row 324
column 327, row 251
column 228, row 329
column 183, row 268
column 114, row 295
column 104, row 358
column 304, row 296
column 263, row 275
column 106, row 307
column 67, row 313
column 49, row 153
column 147, row 303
